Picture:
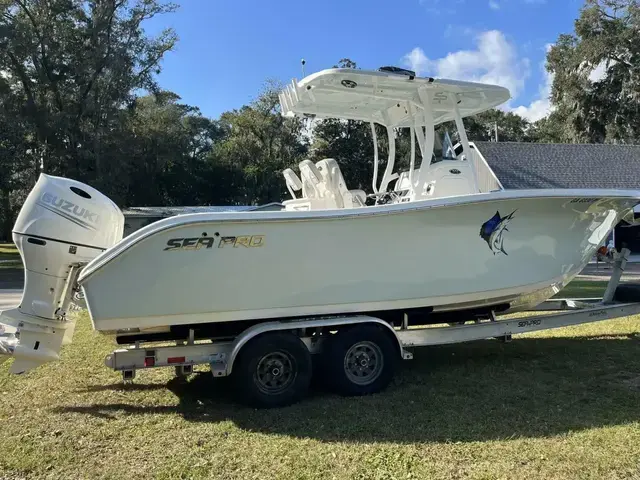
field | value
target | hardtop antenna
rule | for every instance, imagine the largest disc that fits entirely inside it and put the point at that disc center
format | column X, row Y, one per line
column 302, row 62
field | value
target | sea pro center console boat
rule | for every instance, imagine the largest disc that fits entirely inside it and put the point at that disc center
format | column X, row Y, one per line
column 338, row 273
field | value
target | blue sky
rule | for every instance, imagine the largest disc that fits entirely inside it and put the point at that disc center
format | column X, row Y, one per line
column 227, row 49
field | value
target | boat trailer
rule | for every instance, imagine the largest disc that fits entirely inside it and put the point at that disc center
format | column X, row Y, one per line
column 357, row 352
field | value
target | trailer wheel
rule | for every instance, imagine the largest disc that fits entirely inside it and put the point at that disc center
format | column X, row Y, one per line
column 272, row 370
column 360, row 360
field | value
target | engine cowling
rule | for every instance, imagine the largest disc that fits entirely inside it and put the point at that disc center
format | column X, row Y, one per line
column 68, row 211
column 62, row 225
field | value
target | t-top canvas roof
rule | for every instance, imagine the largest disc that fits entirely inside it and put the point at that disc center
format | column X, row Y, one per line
column 386, row 97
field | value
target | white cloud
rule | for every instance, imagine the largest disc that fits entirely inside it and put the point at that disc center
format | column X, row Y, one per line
column 417, row 61
column 494, row 61
column 596, row 73
column 600, row 71
column 541, row 106
column 494, row 5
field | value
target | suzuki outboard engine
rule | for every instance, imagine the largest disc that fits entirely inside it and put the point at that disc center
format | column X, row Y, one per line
column 62, row 226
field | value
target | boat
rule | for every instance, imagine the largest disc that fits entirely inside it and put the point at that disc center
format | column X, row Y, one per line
column 439, row 242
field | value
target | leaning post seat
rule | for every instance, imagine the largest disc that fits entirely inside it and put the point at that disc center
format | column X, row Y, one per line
column 312, row 183
column 331, row 179
column 350, row 198
column 315, row 184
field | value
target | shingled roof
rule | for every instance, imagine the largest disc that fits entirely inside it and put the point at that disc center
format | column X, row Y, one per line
column 542, row 165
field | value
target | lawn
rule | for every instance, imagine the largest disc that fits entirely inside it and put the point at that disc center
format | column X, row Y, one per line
column 9, row 256
column 556, row 404
column 583, row 289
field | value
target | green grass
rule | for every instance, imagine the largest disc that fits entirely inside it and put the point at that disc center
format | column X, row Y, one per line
column 9, row 256
column 8, row 249
column 583, row 289
column 553, row 405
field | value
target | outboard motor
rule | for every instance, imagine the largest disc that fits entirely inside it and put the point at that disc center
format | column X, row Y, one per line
column 62, row 226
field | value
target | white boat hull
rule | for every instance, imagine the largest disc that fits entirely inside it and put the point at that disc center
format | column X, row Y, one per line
column 206, row 268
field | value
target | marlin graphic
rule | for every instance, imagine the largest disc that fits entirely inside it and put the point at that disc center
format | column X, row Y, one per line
column 493, row 229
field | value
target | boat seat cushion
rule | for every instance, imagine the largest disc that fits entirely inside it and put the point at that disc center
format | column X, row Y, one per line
column 331, row 171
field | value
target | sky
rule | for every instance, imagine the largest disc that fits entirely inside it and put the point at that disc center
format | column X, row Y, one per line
column 227, row 50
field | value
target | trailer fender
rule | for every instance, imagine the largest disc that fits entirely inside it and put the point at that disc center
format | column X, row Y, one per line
column 261, row 328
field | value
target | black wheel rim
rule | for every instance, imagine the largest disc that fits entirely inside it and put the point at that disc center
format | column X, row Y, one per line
column 275, row 372
column 363, row 363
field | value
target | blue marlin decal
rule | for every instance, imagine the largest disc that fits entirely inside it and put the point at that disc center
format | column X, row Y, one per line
column 492, row 231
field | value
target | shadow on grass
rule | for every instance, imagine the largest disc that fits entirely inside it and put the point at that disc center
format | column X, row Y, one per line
column 460, row 393
column 123, row 387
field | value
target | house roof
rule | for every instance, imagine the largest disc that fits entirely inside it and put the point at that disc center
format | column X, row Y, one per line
column 550, row 165
column 172, row 211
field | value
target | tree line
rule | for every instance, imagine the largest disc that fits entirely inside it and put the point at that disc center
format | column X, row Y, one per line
column 79, row 97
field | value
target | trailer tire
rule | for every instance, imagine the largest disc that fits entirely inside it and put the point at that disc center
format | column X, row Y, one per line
column 360, row 360
column 272, row 370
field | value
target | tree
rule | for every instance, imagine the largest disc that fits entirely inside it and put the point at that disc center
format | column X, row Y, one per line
column 351, row 144
column 511, row 126
column 16, row 146
column 596, row 87
column 166, row 146
column 260, row 143
column 74, row 64
column 69, row 73
column 551, row 129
